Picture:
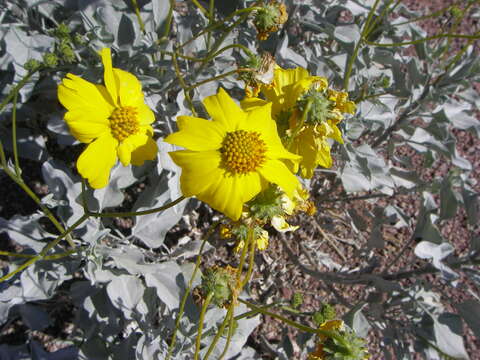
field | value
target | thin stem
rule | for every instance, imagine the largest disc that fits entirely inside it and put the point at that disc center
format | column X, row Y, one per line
column 191, row 87
column 231, row 330
column 19, row 181
column 16, row 89
column 351, row 60
column 218, row 24
column 200, row 325
column 14, row 135
column 183, row 84
column 418, row 41
column 431, row 15
column 292, row 323
column 220, row 331
column 138, row 213
column 139, row 18
column 231, row 308
column 201, row 8
column 250, row 262
column 45, row 250
column 187, row 292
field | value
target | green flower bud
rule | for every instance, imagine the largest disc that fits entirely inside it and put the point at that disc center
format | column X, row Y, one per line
column 317, row 105
column 269, row 18
column 221, row 283
column 32, row 65
column 297, row 300
column 62, row 31
column 267, row 204
column 456, row 12
column 50, row 60
column 66, row 52
column 79, row 39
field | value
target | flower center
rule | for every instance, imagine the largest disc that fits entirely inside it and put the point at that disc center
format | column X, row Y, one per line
column 123, row 122
column 243, row 151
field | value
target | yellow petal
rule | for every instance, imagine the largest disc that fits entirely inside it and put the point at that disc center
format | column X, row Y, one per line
column 251, row 185
column 76, row 93
column 130, row 144
column 108, row 76
column 199, row 169
column 225, row 196
column 84, row 131
column 145, row 114
column 248, row 104
column 279, row 223
column 97, row 160
column 129, row 88
column 197, row 134
column 277, row 172
column 148, row 151
column 224, row 111
column 261, row 121
column 262, row 240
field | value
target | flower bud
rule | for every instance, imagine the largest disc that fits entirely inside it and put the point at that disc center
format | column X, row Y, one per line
column 269, row 19
column 50, row 60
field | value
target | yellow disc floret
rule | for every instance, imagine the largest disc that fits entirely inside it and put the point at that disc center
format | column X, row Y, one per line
column 124, row 122
column 243, row 151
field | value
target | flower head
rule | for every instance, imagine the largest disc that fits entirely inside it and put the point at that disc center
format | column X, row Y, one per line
column 307, row 112
column 112, row 119
column 231, row 158
column 338, row 341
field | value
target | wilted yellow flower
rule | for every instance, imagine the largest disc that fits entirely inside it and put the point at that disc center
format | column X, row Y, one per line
column 113, row 119
column 232, row 158
column 307, row 113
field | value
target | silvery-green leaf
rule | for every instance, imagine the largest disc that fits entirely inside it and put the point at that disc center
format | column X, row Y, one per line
column 347, row 33
column 26, row 230
column 357, row 321
column 437, row 252
column 287, row 57
column 169, row 283
column 448, row 338
column 125, row 292
column 152, row 228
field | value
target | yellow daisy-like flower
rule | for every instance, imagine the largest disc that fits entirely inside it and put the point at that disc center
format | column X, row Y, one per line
column 232, row 158
column 292, row 90
column 113, row 120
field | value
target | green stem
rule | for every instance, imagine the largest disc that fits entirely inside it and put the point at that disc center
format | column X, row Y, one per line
column 294, row 324
column 138, row 213
column 191, row 87
column 187, row 292
column 431, row 15
column 418, row 41
column 218, row 24
column 14, row 135
column 19, row 181
column 252, row 244
column 16, row 89
column 139, row 17
column 200, row 325
column 220, row 331
column 231, row 329
column 46, row 249
column 351, row 60
column 183, row 84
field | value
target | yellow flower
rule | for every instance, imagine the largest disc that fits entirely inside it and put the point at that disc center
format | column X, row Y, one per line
column 113, row 120
column 232, row 158
column 294, row 90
